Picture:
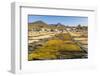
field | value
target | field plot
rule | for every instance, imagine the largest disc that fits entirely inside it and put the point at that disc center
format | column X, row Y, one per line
column 56, row 41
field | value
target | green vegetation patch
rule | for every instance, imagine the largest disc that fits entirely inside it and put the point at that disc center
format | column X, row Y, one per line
column 51, row 50
column 63, row 36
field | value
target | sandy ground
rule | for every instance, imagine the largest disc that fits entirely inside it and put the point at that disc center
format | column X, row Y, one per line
column 38, row 36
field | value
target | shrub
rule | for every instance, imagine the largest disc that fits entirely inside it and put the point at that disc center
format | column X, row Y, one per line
column 63, row 36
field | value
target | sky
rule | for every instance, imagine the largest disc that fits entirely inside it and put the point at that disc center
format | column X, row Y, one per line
column 66, row 20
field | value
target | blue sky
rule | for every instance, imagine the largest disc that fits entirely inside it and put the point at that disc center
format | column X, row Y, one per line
column 66, row 20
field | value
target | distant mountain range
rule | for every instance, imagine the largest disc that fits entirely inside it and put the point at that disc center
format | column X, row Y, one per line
column 41, row 24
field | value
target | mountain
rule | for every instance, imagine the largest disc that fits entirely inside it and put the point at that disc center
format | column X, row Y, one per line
column 39, row 22
column 37, row 25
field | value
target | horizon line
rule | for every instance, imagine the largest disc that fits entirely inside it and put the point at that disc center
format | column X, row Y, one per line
column 57, row 23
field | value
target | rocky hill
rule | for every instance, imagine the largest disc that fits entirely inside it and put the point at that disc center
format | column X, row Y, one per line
column 38, row 25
